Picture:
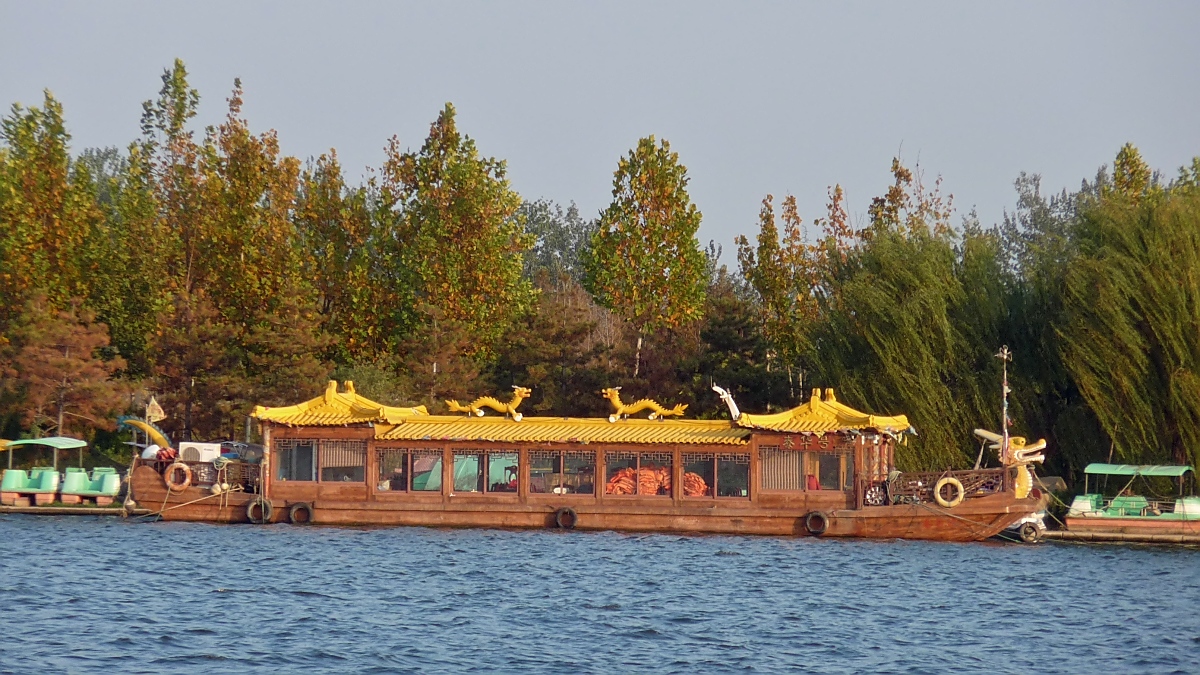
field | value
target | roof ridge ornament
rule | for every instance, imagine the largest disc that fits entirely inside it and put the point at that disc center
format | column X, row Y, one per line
column 476, row 407
column 727, row 397
column 620, row 409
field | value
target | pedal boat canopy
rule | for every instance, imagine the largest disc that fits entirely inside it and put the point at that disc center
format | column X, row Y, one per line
column 1136, row 470
column 58, row 442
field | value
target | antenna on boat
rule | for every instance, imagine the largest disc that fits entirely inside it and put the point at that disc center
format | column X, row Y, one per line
column 1005, row 356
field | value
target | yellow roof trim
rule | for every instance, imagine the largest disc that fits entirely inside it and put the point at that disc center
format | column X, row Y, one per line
column 564, row 430
column 334, row 408
column 822, row 416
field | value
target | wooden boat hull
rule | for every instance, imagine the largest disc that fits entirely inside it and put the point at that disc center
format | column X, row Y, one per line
column 975, row 519
column 1130, row 527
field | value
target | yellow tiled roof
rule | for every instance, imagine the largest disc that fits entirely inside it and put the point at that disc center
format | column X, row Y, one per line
column 821, row 416
column 564, row 430
column 335, row 408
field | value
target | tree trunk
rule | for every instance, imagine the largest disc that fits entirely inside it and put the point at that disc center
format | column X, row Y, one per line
column 637, row 359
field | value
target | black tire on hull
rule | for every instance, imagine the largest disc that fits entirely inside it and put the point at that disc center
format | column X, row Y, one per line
column 565, row 518
column 295, row 517
column 264, row 509
column 816, row 523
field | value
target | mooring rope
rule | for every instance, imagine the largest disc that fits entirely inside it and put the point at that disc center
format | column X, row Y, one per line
column 163, row 509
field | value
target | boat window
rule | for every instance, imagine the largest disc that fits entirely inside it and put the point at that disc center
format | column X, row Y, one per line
column 427, row 470
column 468, row 471
column 781, row 469
column 476, row 471
column 699, row 474
column 645, row 473
column 393, row 471
column 724, row 475
column 835, row 471
column 502, row 472
column 343, row 461
column 733, row 475
column 295, row 459
column 562, row 472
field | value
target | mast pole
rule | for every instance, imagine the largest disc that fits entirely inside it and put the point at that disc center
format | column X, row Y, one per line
column 1005, row 356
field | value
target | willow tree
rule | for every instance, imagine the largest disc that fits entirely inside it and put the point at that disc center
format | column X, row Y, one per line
column 1130, row 330
column 454, row 243
column 644, row 261
column 894, row 330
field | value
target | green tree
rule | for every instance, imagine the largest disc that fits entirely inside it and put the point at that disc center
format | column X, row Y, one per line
column 894, row 330
column 553, row 351
column 1130, row 330
column 560, row 238
column 339, row 245
column 644, row 261
column 456, row 244
column 46, row 211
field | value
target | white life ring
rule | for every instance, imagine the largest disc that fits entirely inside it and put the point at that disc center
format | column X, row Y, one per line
column 959, row 492
column 175, row 483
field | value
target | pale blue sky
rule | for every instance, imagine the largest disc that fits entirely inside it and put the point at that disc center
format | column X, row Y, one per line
column 756, row 97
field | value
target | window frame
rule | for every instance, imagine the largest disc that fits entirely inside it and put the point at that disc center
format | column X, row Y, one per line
column 411, row 454
column 638, row 454
column 714, row 459
column 810, row 467
column 562, row 455
column 336, row 445
column 289, row 445
column 485, row 468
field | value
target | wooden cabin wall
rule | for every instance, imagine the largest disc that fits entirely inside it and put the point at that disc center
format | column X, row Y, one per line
column 310, row 491
column 870, row 461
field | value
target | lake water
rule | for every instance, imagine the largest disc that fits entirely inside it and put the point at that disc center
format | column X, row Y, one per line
column 92, row 595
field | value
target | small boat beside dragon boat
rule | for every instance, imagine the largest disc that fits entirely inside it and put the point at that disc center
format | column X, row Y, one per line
column 821, row 468
column 1126, row 514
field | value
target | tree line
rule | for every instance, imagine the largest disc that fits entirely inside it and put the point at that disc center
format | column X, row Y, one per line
column 212, row 271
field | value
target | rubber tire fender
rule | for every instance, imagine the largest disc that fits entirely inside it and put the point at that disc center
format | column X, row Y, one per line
column 1029, row 533
column 565, row 518
column 296, row 508
column 169, row 475
column 959, row 495
column 816, row 522
column 264, row 505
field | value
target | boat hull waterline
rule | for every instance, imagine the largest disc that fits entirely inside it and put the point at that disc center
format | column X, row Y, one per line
column 975, row 519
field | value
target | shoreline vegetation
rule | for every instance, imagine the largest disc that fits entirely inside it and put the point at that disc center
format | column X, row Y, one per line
column 206, row 268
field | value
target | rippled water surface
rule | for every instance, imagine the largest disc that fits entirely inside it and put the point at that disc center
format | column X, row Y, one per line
column 104, row 595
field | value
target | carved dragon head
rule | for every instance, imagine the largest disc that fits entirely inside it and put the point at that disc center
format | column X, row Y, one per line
column 612, row 393
column 520, row 393
column 1019, row 453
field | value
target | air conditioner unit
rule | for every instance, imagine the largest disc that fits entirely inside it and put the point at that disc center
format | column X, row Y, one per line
column 199, row 452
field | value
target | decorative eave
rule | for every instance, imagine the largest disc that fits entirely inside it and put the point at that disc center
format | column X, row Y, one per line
column 563, row 430
column 822, row 416
column 335, row 408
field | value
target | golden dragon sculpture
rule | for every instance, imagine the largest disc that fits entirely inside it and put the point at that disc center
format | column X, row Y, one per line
column 476, row 407
column 1019, row 454
column 613, row 394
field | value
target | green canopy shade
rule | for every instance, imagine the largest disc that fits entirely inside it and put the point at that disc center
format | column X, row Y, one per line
column 59, row 442
column 1136, row 470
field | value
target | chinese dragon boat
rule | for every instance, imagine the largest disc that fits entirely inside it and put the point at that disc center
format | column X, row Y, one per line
column 821, row 468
